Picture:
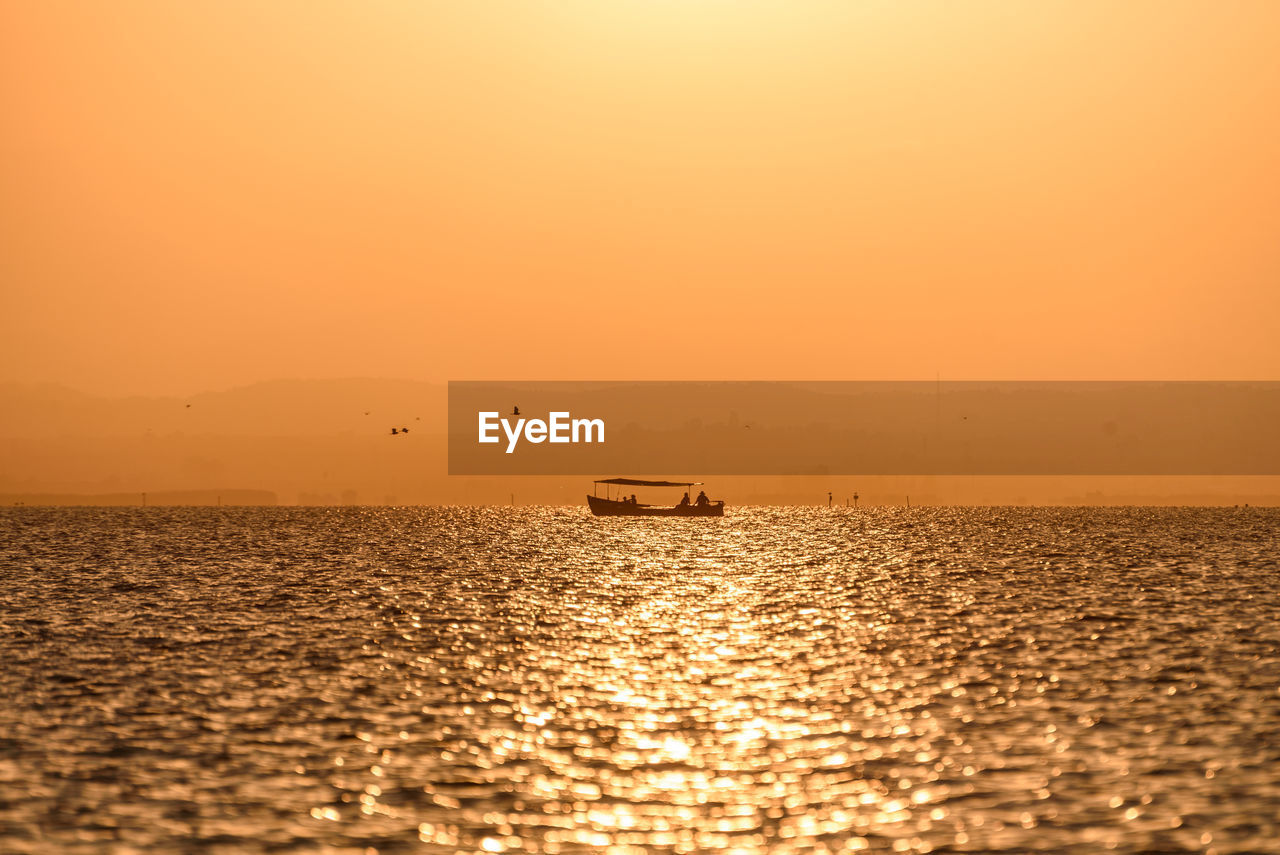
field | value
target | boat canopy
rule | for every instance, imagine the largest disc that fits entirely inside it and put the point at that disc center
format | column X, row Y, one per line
column 636, row 482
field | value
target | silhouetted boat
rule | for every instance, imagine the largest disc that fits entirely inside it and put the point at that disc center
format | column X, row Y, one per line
column 607, row 507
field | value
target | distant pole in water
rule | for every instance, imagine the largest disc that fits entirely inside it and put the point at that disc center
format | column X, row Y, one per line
column 513, row 498
column 855, row 500
column 908, row 501
column 828, row 498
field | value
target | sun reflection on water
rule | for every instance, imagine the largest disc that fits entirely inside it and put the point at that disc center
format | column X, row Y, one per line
column 679, row 694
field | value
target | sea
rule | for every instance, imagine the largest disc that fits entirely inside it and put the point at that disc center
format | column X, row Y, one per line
column 533, row 679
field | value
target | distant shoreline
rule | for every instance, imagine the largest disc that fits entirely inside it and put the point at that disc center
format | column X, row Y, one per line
column 266, row 498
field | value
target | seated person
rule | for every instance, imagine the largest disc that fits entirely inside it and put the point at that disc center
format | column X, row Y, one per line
column 684, row 502
column 702, row 498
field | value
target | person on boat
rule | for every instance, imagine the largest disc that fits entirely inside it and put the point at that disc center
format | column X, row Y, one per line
column 633, row 499
column 684, row 502
column 702, row 498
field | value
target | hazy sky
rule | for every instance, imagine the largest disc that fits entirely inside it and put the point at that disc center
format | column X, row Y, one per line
column 199, row 195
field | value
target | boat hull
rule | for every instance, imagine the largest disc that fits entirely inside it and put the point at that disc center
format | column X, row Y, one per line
column 610, row 508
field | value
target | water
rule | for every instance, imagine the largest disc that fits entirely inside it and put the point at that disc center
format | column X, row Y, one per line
column 536, row 680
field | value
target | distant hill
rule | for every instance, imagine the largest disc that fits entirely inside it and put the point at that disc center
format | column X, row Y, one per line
column 162, row 499
column 272, row 408
column 321, row 441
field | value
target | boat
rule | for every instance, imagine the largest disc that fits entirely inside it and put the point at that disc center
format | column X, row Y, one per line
column 624, row 507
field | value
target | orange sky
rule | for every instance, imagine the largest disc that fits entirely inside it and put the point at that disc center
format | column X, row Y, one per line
column 199, row 195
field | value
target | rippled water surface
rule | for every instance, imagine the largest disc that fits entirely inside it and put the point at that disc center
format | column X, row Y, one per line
column 537, row 680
